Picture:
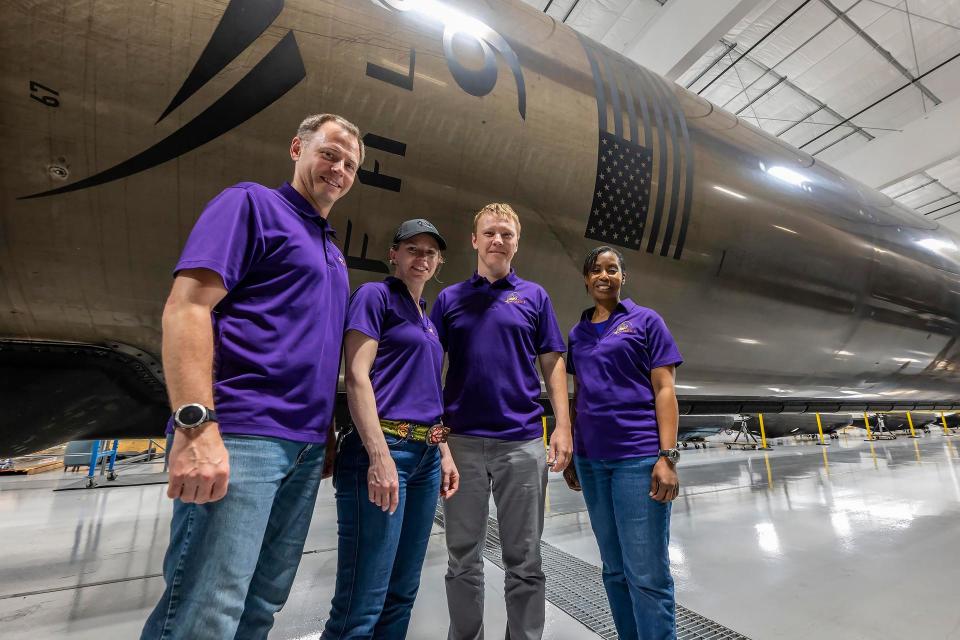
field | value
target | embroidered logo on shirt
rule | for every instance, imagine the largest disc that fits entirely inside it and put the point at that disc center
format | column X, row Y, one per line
column 514, row 298
column 625, row 327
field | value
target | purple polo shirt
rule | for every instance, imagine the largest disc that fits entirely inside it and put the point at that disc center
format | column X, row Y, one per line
column 406, row 371
column 616, row 416
column 278, row 331
column 493, row 333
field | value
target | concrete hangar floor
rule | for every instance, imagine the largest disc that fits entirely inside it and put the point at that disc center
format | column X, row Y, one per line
column 854, row 540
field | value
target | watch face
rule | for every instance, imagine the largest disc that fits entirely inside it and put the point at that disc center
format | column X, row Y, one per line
column 190, row 415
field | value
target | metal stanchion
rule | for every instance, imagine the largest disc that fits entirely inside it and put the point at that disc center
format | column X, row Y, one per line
column 94, row 458
column 943, row 420
column 866, row 421
column 763, row 434
column 820, row 432
column 913, row 433
column 111, row 473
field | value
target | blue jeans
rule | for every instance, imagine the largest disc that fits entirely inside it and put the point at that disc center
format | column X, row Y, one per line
column 633, row 531
column 380, row 555
column 231, row 563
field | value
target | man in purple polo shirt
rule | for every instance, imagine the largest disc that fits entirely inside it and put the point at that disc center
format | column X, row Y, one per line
column 251, row 351
column 494, row 327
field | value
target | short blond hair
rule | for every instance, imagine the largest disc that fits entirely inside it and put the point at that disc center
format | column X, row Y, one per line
column 310, row 125
column 498, row 210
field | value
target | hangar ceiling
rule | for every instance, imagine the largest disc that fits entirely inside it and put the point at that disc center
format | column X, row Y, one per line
column 871, row 87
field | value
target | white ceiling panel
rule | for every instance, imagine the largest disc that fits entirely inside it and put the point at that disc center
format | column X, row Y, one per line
column 834, row 34
column 945, row 81
column 907, row 186
column 596, row 17
column 848, row 142
column 850, row 77
column 895, row 112
column 783, row 106
column 928, row 198
column 625, row 31
column 811, row 127
column 780, row 47
column 934, row 193
column 759, row 23
column 798, row 75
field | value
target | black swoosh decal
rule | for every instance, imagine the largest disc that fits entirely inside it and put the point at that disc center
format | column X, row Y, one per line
column 241, row 24
column 278, row 72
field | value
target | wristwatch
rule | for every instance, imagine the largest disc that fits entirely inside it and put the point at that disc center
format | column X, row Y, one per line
column 673, row 455
column 191, row 416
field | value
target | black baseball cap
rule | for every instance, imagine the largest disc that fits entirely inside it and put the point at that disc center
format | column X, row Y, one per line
column 416, row 226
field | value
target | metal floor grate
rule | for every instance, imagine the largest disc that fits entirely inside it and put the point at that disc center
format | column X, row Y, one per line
column 576, row 588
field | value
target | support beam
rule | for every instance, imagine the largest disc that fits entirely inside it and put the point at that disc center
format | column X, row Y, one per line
column 922, row 144
column 683, row 31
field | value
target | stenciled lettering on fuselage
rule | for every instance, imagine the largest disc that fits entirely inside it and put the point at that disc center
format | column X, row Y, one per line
column 476, row 82
column 633, row 163
column 282, row 69
column 270, row 79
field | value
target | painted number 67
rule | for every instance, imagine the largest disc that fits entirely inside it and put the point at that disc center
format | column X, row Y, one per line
column 44, row 95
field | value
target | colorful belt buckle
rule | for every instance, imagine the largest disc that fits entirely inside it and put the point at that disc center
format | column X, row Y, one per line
column 437, row 434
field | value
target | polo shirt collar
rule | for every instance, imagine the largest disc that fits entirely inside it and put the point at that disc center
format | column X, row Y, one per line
column 399, row 286
column 510, row 280
column 303, row 207
column 626, row 305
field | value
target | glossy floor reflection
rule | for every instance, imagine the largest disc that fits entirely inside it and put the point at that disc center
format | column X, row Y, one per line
column 855, row 540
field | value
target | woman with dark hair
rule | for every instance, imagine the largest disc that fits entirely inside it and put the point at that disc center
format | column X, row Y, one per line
column 624, row 360
column 393, row 461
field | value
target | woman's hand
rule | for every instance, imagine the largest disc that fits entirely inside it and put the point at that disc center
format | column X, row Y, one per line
column 664, row 484
column 382, row 482
column 449, row 476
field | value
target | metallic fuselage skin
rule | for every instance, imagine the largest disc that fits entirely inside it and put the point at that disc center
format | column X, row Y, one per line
column 794, row 280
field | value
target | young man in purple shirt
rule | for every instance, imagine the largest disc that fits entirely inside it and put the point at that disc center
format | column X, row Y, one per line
column 251, row 351
column 494, row 327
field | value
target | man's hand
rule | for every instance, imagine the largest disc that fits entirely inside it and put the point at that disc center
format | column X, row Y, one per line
column 449, row 476
column 383, row 483
column 572, row 479
column 561, row 447
column 199, row 465
column 664, row 484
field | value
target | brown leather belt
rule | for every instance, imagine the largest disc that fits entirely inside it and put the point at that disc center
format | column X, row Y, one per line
column 431, row 435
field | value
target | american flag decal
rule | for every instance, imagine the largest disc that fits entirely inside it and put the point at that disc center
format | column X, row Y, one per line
column 644, row 185
column 622, row 194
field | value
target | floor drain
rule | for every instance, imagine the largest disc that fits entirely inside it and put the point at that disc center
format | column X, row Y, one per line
column 576, row 587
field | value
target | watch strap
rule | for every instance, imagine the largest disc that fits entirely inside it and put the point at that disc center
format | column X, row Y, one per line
column 670, row 454
column 210, row 415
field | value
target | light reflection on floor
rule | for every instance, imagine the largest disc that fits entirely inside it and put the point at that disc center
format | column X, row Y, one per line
column 854, row 540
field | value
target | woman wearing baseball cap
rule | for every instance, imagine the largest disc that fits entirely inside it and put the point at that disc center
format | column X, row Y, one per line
column 394, row 460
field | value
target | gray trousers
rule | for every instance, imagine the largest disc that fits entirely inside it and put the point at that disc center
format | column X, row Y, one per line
column 517, row 474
